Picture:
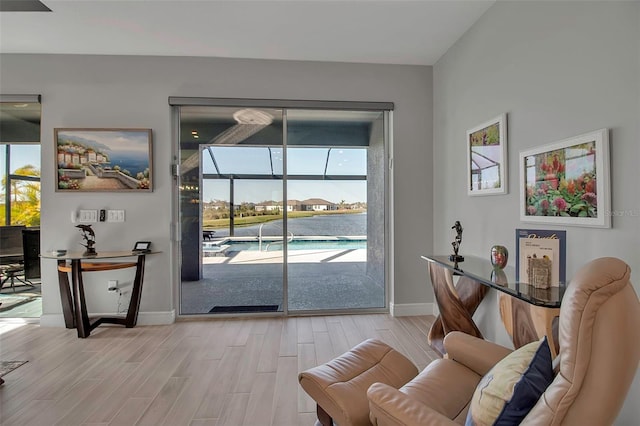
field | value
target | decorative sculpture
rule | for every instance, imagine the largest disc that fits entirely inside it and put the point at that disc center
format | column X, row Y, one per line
column 499, row 256
column 455, row 257
column 90, row 237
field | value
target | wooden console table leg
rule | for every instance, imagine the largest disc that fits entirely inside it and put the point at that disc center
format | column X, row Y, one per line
column 65, row 296
column 82, row 318
column 456, row 303
column 526, row 323
column 136, row 294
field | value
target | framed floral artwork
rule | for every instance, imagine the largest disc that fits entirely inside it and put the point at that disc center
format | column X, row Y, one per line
column 567, row 182
column 103, row 160
column 487, row 157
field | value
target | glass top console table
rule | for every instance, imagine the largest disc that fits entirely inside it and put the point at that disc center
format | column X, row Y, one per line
column 74, row 307
column 528, row 313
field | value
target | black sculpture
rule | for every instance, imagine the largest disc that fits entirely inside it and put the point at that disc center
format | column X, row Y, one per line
column 90, row 237
column 455, row 257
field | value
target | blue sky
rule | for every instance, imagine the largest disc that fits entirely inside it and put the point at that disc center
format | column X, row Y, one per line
column 21, row 155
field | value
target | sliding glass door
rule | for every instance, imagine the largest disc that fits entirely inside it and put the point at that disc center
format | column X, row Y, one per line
column 231, row 162
column 281, row 210
column 335, row 187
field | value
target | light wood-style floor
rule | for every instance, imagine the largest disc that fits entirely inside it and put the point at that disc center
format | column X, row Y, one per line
column 216, row 372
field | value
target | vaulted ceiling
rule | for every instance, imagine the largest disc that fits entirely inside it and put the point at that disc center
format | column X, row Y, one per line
column 416, row 32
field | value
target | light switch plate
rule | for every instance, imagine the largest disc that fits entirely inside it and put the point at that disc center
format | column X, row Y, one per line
column 115, row 215
column 88, row 216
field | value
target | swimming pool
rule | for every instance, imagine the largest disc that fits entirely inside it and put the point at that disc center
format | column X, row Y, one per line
column 293, row 245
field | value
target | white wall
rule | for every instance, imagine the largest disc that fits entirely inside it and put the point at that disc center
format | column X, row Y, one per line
column 126, row 91
column 559, row 69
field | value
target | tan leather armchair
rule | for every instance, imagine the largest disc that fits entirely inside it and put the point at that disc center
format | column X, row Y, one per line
column 599, row 335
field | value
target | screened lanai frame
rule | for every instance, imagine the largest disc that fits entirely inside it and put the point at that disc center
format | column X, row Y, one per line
column 385, row 108
column 326, row 162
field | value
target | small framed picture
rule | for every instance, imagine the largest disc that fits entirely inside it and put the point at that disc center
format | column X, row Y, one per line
column 487, row 157
column 142, row 246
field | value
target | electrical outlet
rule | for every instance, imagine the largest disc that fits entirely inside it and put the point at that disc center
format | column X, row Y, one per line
column 112, row 285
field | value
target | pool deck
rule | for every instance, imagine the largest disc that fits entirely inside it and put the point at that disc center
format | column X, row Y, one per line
column 317, row 280
column 295, row 256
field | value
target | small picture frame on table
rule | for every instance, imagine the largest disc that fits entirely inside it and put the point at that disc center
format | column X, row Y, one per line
column 142, row 247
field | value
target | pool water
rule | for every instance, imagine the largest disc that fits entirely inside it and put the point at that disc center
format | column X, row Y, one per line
column 296, row 245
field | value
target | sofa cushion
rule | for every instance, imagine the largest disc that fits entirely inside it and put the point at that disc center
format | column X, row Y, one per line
column 512, row 387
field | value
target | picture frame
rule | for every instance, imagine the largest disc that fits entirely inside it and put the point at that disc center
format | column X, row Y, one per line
column 487, row 157
column 567, row 182
column 141, row 246
column 103, row 160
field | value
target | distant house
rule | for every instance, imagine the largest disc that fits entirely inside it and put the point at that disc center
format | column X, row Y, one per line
column 216, row 205
column 294, row 205
column 318, row 204
column 357, row 205
column 312, row 204
column 268, row 206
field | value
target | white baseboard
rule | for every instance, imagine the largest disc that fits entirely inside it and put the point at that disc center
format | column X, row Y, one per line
column 411, row 309
column 51, row 320
column 144, row 318
column 157, row 318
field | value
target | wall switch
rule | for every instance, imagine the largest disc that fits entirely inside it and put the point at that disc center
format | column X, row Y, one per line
column 115, row 215
column 87, row 216
column 112, row 285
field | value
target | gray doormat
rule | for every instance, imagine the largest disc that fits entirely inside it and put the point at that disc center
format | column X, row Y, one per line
column 243, row 309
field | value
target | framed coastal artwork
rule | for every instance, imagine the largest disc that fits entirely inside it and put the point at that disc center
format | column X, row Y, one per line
column 487, row 157
column 567, row 182
column 103, row 160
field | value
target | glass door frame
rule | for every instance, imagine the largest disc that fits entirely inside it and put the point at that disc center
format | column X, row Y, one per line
column 175, row 229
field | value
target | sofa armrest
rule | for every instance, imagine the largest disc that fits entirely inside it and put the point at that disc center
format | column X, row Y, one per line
column 390, row 407
column 476, row 354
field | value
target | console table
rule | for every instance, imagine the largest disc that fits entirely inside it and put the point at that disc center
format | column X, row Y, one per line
column 74, row 307
column 528, row 313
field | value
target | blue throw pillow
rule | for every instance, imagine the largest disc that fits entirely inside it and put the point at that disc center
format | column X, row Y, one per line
column 507, row 393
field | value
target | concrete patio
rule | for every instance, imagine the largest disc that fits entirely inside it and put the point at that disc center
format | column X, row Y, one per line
column 317, row 280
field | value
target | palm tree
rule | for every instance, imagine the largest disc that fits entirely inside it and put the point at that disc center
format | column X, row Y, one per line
column 25, row 196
